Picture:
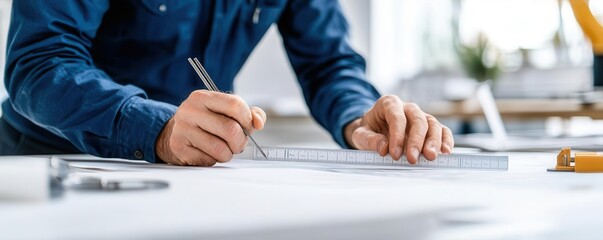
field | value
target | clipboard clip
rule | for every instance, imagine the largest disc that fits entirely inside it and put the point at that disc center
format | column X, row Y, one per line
column 580, row 162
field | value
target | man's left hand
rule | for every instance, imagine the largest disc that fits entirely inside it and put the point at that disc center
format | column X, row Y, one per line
column 395, row 127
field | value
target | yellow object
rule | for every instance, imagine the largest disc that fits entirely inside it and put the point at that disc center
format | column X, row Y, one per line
column 591, row 28
column 583, row 161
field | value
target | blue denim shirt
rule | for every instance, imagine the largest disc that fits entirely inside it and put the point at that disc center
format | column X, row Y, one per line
column 104, row 76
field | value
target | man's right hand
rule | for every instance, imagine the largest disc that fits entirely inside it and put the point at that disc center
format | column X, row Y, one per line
column 208, row 128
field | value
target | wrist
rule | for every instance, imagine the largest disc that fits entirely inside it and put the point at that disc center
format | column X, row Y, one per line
column 162, row 149
column 349, row 131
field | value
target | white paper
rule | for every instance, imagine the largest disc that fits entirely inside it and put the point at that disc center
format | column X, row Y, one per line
column 246, row 199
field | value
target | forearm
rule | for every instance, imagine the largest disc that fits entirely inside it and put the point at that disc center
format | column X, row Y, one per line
column 52, row 81
column 330, row 72
column 103, row 118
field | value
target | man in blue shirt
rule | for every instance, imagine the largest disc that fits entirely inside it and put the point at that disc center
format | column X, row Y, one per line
column 110, row 78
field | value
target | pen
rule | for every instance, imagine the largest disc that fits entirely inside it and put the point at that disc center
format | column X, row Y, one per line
column 256, row 12
column 209, row 84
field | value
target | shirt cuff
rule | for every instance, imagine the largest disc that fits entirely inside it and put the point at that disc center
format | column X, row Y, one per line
column 140, row 124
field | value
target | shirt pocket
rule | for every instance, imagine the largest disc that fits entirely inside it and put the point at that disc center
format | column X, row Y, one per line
column 262, row 13
column 162, row 19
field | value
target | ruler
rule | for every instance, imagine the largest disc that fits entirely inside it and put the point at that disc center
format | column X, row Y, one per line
column 359, row 157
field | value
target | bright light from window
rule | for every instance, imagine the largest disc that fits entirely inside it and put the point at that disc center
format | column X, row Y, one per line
column 510, row 24
column 596, row 7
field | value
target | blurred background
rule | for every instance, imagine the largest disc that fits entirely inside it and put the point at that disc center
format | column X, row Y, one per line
column 421, row 51
column 434, row 52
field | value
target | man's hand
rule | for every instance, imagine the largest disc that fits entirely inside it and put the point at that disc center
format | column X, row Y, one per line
column 207, row 128
column 395, row 127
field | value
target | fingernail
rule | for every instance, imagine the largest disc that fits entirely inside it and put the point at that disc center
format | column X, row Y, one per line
column 397, row 152
column 415, row 154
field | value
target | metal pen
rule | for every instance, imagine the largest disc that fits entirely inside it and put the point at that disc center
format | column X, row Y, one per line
column 211, row 86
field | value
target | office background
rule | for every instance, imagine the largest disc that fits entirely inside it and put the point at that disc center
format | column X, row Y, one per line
column 410, row 50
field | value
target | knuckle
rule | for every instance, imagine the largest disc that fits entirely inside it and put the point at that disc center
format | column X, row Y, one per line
column 218, row 149
column 419, row 119
column 389, row 100
column 231, row 131
column 415, row 140
column 198, row 94
column 238, row 99
column 413, row 106
column 390, row 97
column 234, row 102
column 431, row 118
column 433, row 121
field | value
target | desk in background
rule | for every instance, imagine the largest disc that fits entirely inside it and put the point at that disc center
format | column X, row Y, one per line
column 518, row 108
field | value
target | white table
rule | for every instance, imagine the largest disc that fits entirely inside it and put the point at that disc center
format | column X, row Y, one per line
column 247, row 199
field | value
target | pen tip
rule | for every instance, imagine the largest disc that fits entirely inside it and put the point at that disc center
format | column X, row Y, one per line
column 263, row 153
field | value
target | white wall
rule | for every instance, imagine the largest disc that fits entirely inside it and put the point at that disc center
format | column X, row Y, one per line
column 267, row 79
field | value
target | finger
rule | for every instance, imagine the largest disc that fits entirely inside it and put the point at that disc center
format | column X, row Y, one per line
column 416, row 134
column 221, row 126
column 229, row 105
column 210, row 144
column 391, row 108
column 433, row 140
column 447, row 140
column 186, row 154
column 365, row 139
column 258, row 118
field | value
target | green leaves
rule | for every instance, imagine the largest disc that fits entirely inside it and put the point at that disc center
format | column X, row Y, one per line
column 482, row 61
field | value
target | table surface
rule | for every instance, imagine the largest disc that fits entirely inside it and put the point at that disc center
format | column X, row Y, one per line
column 246, row 199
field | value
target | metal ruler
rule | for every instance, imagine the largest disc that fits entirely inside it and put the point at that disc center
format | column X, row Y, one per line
column 358, row 157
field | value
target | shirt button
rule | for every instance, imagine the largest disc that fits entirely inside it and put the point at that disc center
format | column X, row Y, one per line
column 138, row 154
column 162, row 8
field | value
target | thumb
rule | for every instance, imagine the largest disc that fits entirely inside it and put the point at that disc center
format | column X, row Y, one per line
column 258, row 117
column 367, row 139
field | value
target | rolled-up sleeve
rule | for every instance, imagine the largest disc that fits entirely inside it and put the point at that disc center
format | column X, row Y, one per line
column 330, row 72
column 52, row 81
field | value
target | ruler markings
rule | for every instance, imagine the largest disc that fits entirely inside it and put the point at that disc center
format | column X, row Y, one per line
column 357, row 157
